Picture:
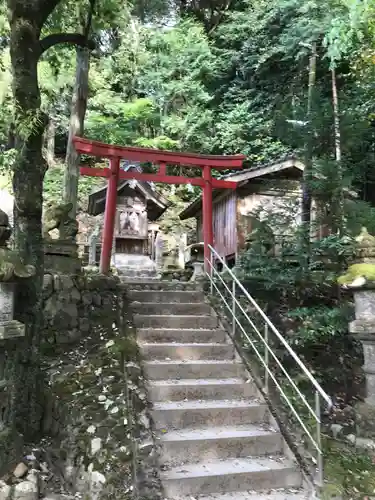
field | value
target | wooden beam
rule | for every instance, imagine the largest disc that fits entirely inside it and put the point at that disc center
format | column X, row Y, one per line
column 95, row 172
column 95, row 148
column 163, row 179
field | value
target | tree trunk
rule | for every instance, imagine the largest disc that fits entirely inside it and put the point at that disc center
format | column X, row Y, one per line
column 306, row 187
column 28, row 173
column 50, row 142
column 76, row 127
column 339, row 205
column 11, row 138
column 306, row 201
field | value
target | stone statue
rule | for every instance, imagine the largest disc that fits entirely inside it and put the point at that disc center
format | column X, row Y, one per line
column 125, row 222
column 11, row 266
column 57, row 217
column 134, row 222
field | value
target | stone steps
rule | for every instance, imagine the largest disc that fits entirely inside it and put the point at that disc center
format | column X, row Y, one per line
column 194, row 414
column 274, row 494
column 174, row 308
column 188, row 335
column 198, row 389
column 195, row 445
column 187, row 351
column 165, row 370
column 157, row 285
column 235, row 474
column 175, row 322
column 167, row 296
column 212, row 424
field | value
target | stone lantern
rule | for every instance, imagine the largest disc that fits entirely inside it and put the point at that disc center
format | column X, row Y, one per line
column 360, row 278
column 197, row 261
column 11, row 271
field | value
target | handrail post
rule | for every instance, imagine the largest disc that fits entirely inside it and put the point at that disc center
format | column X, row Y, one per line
column 234, row 308
column 266, row 358
column 211, row 257
column 319, row 439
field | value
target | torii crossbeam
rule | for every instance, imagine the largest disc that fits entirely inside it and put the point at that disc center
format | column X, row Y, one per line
column 163, row 159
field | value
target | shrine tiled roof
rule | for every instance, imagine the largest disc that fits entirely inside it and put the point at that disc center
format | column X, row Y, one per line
column 156, row 203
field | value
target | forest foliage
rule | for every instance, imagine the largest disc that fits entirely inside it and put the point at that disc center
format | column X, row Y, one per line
column 218, row 77
column 223, row 77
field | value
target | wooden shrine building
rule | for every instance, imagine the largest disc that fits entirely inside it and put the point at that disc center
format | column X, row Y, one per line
column 233, row 210
column 137, row 205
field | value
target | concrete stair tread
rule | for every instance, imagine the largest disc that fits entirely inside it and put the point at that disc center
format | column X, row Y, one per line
column 234, row 388
column 187, row 330
column 198, row 381
column 181, row 335
column 229, row 466
column 163, row 308
column 187, row 351
column 183, row 344
column 217, row 432
column 188, row 316
column 146, row 280
column 168, row 296
column 206, row 404
column 161, row 304
column 284, row 494
column 193, row 362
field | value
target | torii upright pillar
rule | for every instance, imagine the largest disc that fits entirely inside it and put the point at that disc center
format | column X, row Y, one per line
column 109, row 216
column 208, row 233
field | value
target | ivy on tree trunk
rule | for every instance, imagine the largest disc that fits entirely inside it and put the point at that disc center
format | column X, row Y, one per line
column 26, row 22
column 76, row 126
column 77, row 116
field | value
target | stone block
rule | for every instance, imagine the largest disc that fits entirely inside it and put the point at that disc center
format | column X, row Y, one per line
column 364, row 305
column 21, row 470
column 6, row 301
column 4, row 490
column 48, row 286
column 11, row 329
column 364, row 328
column 84, row 325
column 365, row 420
column 62, row 264
column 27, row 490
column 75, row 295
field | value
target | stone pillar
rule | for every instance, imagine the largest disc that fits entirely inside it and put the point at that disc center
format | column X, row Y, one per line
column 12, row 271
column 181, row 250
column 159, row 249
column 93, row 241
column 364, row 328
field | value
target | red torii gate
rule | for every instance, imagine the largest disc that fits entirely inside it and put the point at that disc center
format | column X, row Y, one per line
column 162, row 158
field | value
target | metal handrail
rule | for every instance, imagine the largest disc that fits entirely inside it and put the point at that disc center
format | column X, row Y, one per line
column 211, row 271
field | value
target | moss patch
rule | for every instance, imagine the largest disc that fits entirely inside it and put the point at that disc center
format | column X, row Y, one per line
column 100, row 403
column 350, row 473
column 364, row 270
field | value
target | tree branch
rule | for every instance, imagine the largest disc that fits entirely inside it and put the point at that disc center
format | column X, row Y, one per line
column 71, row 38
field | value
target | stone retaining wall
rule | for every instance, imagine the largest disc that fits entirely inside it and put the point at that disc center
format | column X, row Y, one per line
column 74, row 304
column 96, row 422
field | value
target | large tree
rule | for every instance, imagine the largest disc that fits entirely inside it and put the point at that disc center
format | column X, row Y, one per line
column 27, row 20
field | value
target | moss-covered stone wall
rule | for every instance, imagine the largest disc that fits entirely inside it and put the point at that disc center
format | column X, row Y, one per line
column 97, row 415
column 96, row 427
